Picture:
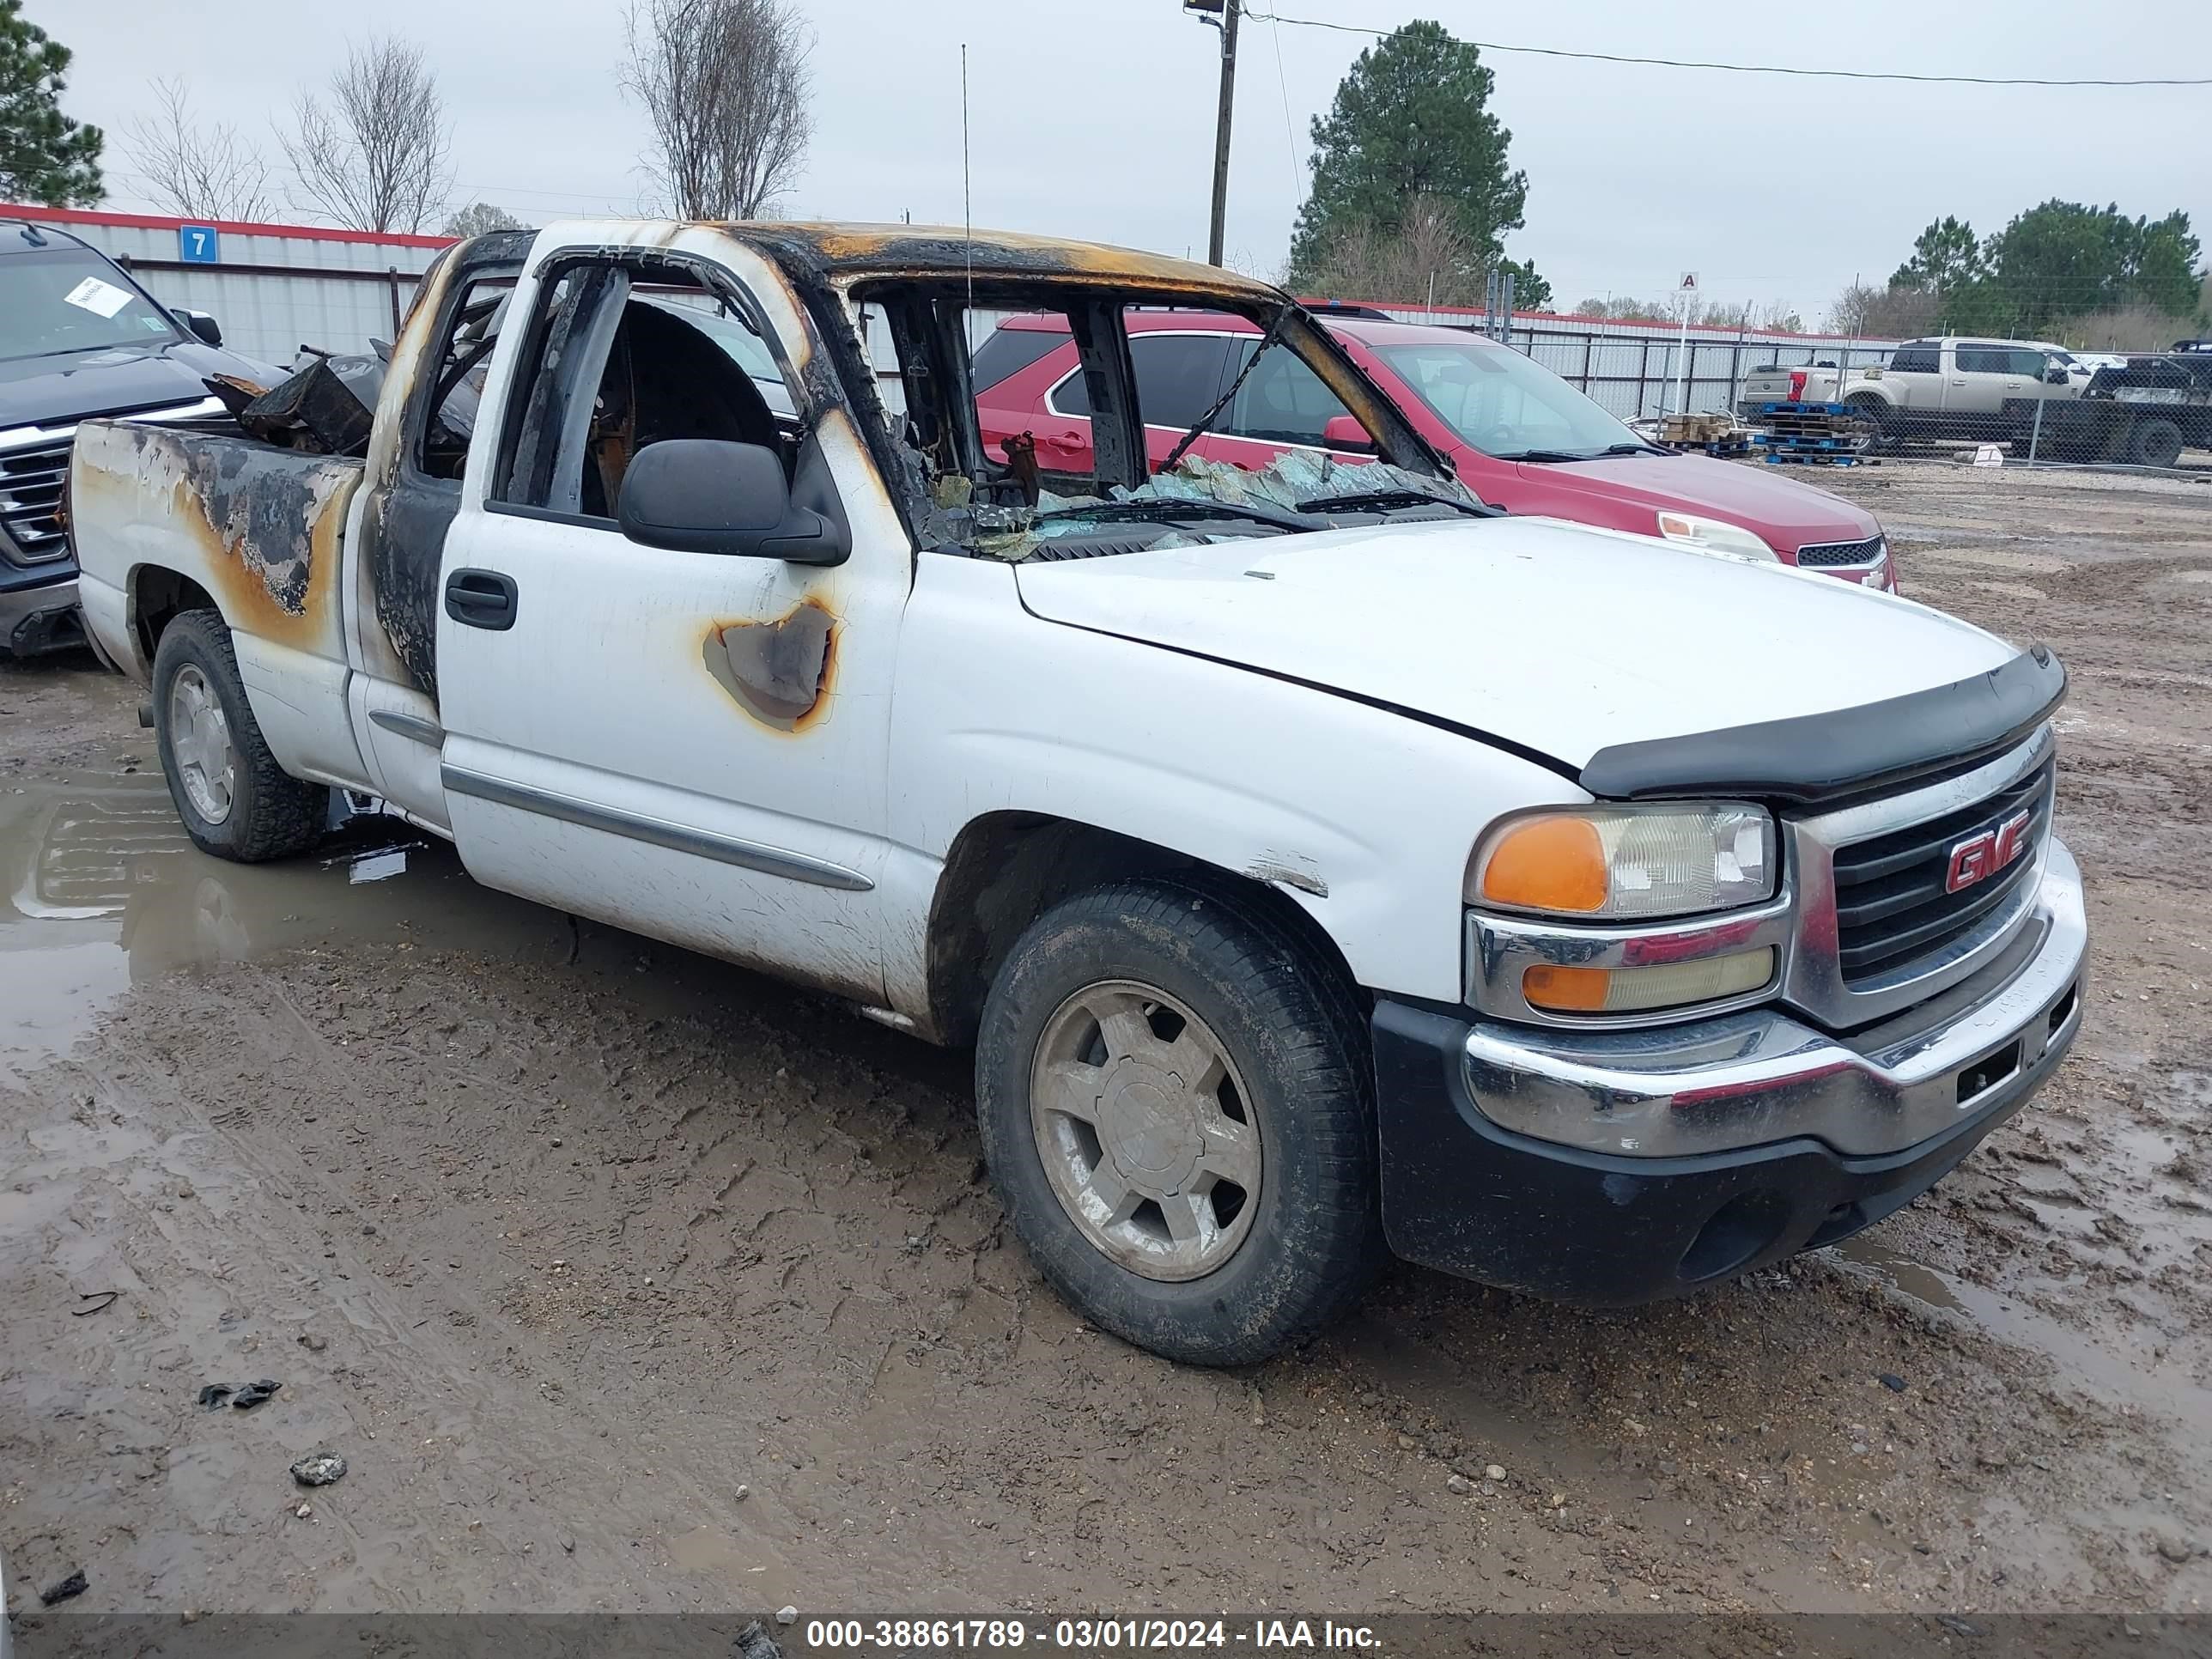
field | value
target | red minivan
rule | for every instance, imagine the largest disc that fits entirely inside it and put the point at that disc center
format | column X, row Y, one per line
column 1521, row 437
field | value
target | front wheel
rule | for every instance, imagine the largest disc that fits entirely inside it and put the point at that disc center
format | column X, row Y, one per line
column 1176, row 1099
column 234, row 800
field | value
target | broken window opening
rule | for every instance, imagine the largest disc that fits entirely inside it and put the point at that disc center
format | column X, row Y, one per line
column 457, row 388
column 1055, row 446
column 625, row 354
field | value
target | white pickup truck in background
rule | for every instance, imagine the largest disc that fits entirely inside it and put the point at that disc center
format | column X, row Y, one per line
column 1943, row 388
column 1319, row 863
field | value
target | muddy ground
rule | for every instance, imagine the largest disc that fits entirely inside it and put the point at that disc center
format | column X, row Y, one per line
column 623, row 1279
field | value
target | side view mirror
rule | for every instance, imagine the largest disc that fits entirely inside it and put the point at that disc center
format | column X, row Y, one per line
column 710, row 495
column 1344, row 432
column 2055, row 376
column 203, row 326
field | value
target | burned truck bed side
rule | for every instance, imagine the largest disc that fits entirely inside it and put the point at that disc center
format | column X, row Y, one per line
column 256, row 528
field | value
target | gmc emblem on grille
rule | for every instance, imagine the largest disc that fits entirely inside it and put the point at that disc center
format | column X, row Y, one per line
column 1979, row 857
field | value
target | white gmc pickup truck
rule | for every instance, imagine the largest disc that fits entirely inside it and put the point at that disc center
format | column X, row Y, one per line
column 1319, row 863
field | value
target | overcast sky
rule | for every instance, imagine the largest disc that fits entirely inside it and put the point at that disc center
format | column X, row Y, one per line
column 1094, row 118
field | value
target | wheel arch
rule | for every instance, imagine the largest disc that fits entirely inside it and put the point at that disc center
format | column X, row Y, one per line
column 155, row 596
column 1006, row 868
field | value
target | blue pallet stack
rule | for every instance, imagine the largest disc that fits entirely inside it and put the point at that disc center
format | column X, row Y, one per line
column 1813, row 434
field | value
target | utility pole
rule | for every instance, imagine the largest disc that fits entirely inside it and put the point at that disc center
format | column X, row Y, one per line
column 1230, row 10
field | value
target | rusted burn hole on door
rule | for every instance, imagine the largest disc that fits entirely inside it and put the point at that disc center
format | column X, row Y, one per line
column 778, row 671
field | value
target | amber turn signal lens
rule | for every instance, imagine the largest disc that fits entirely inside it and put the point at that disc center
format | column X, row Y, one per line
column 1555, row 863
column 1567, row 990
column 1629, row 990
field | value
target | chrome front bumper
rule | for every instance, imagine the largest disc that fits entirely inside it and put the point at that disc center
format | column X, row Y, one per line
column 1761, row 1075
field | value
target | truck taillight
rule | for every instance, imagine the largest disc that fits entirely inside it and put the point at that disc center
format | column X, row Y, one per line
column 1797, row 386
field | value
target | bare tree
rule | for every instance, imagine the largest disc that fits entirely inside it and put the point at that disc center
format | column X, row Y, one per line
column 373, row 157
column 1752, row 316
column 1883, row 313
column 2138, row 328
column 479, row 219
column 200, row 173
column 725, row 83
column 1428, row 258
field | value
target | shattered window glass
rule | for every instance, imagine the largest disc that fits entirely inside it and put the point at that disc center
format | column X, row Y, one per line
column 1058, row 479
column 1200, row 500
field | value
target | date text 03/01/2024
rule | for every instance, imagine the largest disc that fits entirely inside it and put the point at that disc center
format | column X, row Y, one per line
column 1086, row 1635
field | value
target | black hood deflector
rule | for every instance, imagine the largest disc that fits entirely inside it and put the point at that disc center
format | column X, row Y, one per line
column 1822, row 759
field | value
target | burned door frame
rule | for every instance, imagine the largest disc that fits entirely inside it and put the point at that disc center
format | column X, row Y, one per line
column 686, row 743
column 406, row 512
column 927, row 327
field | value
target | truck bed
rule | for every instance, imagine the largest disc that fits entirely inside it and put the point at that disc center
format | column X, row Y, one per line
column 257, row 527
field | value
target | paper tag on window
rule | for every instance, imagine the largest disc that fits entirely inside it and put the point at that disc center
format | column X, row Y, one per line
column 100, row 299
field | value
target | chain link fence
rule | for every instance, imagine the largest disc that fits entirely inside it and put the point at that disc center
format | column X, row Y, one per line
column 2022, row 402
column 1974, row 398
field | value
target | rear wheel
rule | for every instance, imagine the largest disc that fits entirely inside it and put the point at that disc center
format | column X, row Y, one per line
column 235, row 801
column 1876, row 413
column 1176, row 1102
column 2155, row 443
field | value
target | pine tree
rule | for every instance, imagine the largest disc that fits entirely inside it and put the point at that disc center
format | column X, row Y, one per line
column 45, row 158
column 1411, row 123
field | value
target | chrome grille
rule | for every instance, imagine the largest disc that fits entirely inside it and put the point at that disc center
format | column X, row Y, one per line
column 1876, row 932
column 1831, row 556
column 30, row 500
column 1891, row 905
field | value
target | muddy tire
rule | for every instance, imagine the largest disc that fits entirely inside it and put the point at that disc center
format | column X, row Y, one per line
column 1178, row 1105
column 235, row 801
column 1876, row 413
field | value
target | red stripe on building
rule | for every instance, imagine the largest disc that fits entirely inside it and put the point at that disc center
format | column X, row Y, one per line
column 52, row 216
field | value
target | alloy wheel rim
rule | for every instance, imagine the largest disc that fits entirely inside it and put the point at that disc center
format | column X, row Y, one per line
column 1147, row 1133
column 199, row 742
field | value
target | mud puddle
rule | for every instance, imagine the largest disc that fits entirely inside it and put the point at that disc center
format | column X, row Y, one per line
column 2118, row 1365
column 100, row 890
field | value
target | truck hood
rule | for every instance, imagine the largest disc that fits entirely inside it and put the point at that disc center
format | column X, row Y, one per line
column 1787, row 513
column 1552, row 636
column 71, row 386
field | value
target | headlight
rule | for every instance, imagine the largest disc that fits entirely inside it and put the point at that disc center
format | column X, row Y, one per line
column 1627, row 863
column 1715, row 537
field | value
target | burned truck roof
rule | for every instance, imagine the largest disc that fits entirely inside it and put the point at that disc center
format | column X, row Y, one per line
column 843, row 252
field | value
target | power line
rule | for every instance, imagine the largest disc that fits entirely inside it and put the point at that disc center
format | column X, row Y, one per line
column 1290, row 131
column 1751, row 69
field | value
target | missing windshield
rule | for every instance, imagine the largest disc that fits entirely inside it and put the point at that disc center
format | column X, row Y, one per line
column 1087, row 423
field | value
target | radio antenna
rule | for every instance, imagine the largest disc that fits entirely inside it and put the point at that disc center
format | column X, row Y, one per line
column 967, row 206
